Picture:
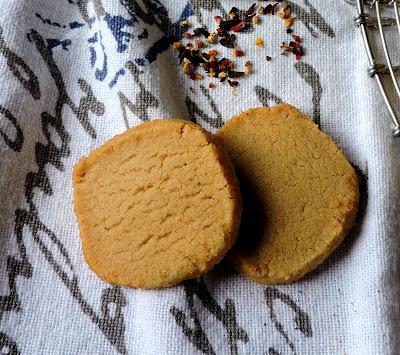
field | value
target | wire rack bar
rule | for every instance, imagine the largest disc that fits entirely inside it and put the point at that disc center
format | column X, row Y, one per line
column 364, row 21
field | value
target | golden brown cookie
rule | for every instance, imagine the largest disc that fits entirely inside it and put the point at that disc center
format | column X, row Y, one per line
column 156, row 205
column 300, row 193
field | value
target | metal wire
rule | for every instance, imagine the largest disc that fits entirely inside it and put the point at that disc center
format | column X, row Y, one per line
column 366, row 23
column 372, row 2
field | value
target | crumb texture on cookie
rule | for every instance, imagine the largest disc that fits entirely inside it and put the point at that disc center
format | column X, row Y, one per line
column 300, row 193
column 157, row 204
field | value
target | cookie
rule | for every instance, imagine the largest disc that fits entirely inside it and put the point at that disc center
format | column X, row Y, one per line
column 156, row 205
column 300, row 193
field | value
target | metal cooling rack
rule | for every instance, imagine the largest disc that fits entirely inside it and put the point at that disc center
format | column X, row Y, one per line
column 369, row 18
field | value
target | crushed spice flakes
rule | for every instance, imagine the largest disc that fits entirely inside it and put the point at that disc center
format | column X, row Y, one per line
column 296, row 38
column 248, row 68
column 200, row 31
column 228, row 28
column 222, row 75
column 256, row 20
column 235, row 74
column 293, row 47
column 218, row 19
column 288, row 22
column 261, row 10
column 250, row 11
column 233, row 83
column 270, row 9
column 187, row 68
column 196, row 76
column 185, row 24
column 259, row 42
column 237, row 53
column 199, row 43
column 228, row 41
column 177, row 45
column 212, row 38
column 233, row 14
column 285, row 12
column 239, row 26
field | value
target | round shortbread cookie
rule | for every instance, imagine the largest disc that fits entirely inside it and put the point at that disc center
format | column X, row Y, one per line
column 300, row 193
column 156, row 205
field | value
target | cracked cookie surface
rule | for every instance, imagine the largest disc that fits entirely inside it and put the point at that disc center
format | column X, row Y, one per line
column 300, row 193
column 156, row 205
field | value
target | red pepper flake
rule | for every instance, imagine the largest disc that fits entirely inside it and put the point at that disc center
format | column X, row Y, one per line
column 199, row 43
column 228, row 24
column 222, row 76
column 228, row 41
column 285, row 12
column 177, row 45
column 256, row 20
column 288, row 22
column 233, row 83
column 201, row 31
column 299, row 50
column 235, row 74
column 296, row 38
column 292, row 47
column 212, row 38
column 286, row 48
column 273, row 8
column 248, row 68
column 221, row 32
column 185, row 24
column 286, row 8
column 268, row 9
column 224, row 64
column 239, row 26
column 233, row 14
column 250, row 11
column 259, row 42
column 188, row 68
column 238, row 53
column 218, row 19
column 261, row 10
column 196, row 76
column 237, row 20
